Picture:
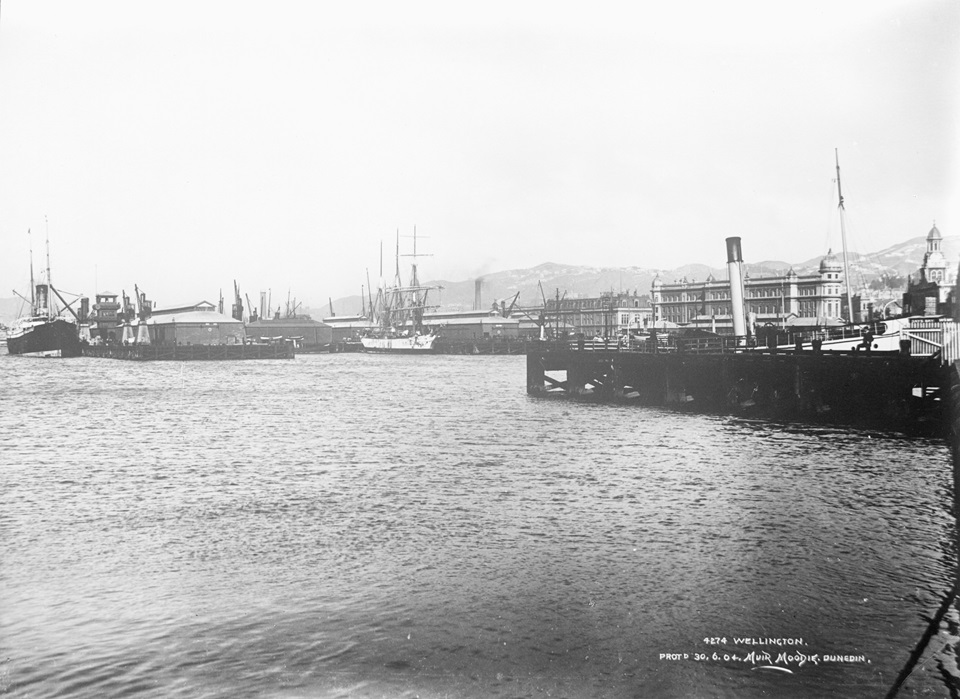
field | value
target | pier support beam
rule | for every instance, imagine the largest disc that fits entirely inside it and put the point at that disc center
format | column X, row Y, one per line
column 535, row 373
column 901, row 392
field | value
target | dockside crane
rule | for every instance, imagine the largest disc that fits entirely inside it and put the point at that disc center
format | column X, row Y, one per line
column 507, row 311
column 237, row 310
column 127, row 314
column 127, row 311
column 144, row 309
column 293, row 307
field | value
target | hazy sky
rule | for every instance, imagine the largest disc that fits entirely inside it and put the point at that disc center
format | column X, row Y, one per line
column 182, row 145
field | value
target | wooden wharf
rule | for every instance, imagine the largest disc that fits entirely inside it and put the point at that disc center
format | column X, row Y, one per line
column 185, row 353
column 487, row 345
column 886, row 389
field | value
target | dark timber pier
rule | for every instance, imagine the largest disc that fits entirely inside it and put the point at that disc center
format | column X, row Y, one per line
column 183, row 353
column 892, row 390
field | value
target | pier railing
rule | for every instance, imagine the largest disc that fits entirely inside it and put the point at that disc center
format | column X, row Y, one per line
column 660, row 345
column 927, row 338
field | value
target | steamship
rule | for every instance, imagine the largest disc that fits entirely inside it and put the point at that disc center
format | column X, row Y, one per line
column 42, row 336
column 43, row 333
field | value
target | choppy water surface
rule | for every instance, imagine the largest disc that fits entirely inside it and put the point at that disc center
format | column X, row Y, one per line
column 354, row 525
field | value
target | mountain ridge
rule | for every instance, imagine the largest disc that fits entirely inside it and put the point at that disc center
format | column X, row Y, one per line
column 891, row 265
column 888, row 267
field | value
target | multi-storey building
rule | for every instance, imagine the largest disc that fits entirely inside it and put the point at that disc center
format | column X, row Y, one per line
column 606, row 315
column 788, row 300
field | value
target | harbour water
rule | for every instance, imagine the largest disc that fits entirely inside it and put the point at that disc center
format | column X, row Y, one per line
column 375, row 526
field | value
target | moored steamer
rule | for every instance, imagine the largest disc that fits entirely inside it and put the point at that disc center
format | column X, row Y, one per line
column 40, row 336
column 43, row 333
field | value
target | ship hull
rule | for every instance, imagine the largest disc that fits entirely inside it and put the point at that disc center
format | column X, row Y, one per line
column 44, row 338
column 418, row 344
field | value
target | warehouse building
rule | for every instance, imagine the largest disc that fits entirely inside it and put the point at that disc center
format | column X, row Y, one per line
column 303, row 330
column 199, row 324
column 472, row 325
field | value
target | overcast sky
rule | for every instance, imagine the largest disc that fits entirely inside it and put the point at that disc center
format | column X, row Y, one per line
column 182, row 145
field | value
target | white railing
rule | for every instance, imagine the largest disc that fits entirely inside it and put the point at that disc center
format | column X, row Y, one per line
column 927, row 338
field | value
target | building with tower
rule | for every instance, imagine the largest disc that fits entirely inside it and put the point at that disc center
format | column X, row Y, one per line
column 788, row 301
column 929, row 292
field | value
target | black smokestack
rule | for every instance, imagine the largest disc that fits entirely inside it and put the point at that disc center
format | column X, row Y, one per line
column 476, row 294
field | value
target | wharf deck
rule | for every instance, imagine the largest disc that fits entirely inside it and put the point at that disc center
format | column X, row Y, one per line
column 489, row 345
column 185, row 353
column 888, row 390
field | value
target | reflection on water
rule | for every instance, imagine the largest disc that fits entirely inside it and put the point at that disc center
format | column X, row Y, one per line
column 353, row 525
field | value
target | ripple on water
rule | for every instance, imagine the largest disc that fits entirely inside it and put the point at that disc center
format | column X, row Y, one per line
column 351, row 525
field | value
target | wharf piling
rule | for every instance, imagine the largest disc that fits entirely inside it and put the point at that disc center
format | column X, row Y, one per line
column 486, row 345
column 890, row 389
column 181, row 353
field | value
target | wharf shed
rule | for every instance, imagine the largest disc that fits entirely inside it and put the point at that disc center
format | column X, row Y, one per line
column 199, row 324
column 472, row 325
column 304, row 329
column 347, row 328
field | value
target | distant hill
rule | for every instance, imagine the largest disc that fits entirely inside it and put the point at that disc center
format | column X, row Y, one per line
column 894, row 263
column 903, row 259
column 10, row 309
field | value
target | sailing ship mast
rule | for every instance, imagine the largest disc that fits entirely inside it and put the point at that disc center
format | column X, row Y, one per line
column 843, row 239
column 395, row 303
column 418, row 302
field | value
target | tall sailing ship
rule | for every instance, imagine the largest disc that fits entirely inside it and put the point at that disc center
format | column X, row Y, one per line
column 397, row 313
column 43, row 333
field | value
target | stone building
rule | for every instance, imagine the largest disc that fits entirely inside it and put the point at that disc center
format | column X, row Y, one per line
column 791, row 301
column 607, row 315
column 930, row 291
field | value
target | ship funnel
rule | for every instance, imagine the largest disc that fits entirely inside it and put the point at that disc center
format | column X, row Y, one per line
column 476, row 294
column 735, row 275
column 42, row 300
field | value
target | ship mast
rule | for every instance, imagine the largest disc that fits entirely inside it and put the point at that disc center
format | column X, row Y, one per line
column 33, row 290
column 49, row 281
column 415, row 281
column 843, row 238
